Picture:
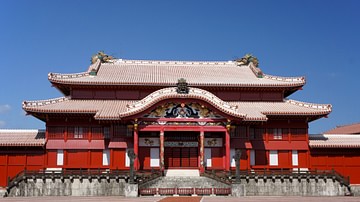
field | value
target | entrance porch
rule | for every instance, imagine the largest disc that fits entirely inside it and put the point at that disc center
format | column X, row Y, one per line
column 183, row 147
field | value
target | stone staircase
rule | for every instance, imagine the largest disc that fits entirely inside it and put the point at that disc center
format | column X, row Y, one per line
column 183, row 182
column 182, row 173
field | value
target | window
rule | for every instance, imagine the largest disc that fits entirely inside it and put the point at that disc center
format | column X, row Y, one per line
column 127, row 159
column 107, row 132
column 123, row 131
column 277, row 134
column 252, row 157
column 295, row 158
column 259, row 132
column 60, row 157
column 56, row 132
column 252, row 133
column 208, row 157
column 106, row 157
column 273, row 156
column 232, row 160
column 96, row 133
column 154, row 157
column 238, row 131
column 298, row 133
column 78, row 132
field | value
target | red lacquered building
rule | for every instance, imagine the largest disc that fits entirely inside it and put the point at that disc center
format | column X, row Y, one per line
column 172, row 114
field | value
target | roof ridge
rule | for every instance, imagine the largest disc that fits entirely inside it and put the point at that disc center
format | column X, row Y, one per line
column 18, row 130
column 286, row 79
column 37, row 103
column 327, row 107
column 187, row 62
column 54, row 76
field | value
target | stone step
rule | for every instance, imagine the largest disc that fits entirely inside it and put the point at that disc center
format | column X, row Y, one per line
column 184, row 181
column 182, row 173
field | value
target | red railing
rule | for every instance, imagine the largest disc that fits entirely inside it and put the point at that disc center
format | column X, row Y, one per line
column 167, row 191
column 203, row 191
column 148, row 191
column 222, row 191
column 185, row 191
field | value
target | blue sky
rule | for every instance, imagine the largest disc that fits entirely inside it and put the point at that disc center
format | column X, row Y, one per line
column 312, row 38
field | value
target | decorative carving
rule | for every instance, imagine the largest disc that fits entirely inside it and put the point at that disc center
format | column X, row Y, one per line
column 212, row 142
column 180, row 144
column 104, row 58
column 247, row 59
column 182, row 86
column 182, row 110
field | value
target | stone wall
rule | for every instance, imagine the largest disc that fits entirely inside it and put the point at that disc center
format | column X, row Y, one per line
column 74, row 187
column 287, row 187
column 355, row 189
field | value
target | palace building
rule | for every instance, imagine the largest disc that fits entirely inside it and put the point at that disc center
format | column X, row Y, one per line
column 171, row 115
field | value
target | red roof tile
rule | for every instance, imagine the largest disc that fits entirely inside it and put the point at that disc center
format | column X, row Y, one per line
column 334, row 141
column 16, row 138
column 116, row 109
column 166, row 73
column 346, row 129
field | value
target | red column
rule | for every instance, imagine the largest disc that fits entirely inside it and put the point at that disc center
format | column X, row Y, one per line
column 202, row 168
column 227, row 150
column 162, row 166
column 136, row 148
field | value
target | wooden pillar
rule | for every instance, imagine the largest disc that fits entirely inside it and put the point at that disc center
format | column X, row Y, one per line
column 202, row 166
column 227, row 150
column 162, row 165
column 136, row 147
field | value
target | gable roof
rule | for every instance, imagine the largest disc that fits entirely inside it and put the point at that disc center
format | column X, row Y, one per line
column 345, row 129
column 167, row 73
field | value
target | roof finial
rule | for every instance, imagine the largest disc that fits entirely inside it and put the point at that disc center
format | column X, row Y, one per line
column 104, row 58
column 247, row 59
column 182, row 86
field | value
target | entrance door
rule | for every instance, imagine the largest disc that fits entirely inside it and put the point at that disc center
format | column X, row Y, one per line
column 181, row 157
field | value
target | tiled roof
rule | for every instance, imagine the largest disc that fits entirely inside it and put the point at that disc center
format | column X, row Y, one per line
column 116, row 109
column 334, row 141
column 167, row 73
column 346, row 129
column 30, row 138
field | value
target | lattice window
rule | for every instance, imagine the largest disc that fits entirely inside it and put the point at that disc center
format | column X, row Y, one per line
column 97, row 133
column 56, row 132
column 123, row 131
column 107, row 132
column 78, row 132
column 238, row 131
column 275, row 133
column 298, row 133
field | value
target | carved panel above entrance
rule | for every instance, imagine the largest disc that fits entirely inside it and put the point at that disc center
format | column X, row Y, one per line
column 182, row 110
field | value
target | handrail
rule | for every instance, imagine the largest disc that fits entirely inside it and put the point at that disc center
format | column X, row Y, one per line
column 230, row 177
column 141, row 176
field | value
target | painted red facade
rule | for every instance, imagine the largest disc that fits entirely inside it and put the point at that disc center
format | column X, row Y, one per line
column 169, row 123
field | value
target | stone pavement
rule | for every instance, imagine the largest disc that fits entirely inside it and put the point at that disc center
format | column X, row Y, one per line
column 184, row 199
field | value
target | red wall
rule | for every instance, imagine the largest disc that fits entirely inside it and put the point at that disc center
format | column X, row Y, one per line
column 345, row 161
column 13, row 161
